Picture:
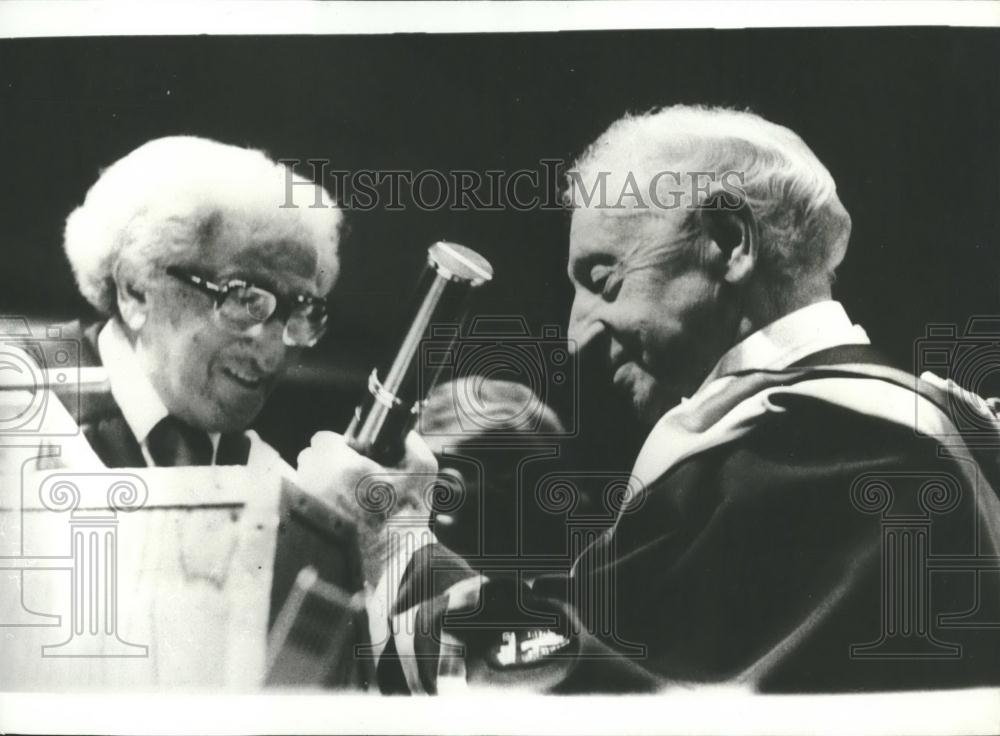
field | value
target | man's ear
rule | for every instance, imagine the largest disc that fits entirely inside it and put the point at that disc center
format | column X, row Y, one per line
column 727, row 220
column 133, row 304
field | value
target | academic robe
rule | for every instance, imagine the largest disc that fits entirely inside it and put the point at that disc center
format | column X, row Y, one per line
column 838, row 534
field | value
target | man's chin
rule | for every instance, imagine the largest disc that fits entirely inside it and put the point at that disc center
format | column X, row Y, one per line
column 647, row 398
column 648, row 404
column 237, row 422
column 225, row 419
column 648, row 414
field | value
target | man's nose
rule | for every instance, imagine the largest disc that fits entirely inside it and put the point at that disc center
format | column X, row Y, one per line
column 585, row 323
column 269, row 349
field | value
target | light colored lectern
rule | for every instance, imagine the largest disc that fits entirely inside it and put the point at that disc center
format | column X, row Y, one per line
column 153, row 578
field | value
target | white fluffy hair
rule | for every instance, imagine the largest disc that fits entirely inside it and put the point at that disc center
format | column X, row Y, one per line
column 804, row 228
column 164, row 200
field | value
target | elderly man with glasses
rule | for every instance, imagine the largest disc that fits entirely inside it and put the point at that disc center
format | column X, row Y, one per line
column 209, row 289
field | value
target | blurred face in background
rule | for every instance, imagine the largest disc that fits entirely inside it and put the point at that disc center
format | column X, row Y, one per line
column 482, row 431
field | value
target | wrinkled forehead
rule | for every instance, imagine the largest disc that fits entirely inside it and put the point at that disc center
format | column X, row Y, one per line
column 288, row 264
column 620, row 235
column 284, row 255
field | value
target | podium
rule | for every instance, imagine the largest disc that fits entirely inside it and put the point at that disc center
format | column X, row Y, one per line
column 155, row 578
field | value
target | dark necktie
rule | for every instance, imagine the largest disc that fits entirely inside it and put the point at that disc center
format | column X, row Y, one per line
column 234, row 449
column 172, row 442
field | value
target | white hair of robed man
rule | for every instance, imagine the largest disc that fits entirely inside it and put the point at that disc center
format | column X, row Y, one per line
column 803, row 227
column 164, row 201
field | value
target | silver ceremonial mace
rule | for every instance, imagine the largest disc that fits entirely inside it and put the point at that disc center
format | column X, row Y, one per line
column 389, row 411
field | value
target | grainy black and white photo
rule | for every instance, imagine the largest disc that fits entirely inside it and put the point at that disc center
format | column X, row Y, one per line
column 656, row 363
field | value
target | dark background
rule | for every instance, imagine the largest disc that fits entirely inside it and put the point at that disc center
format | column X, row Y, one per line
column 905, row 119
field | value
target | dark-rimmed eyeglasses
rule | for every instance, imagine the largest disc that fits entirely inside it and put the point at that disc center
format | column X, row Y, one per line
column 240, row 305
